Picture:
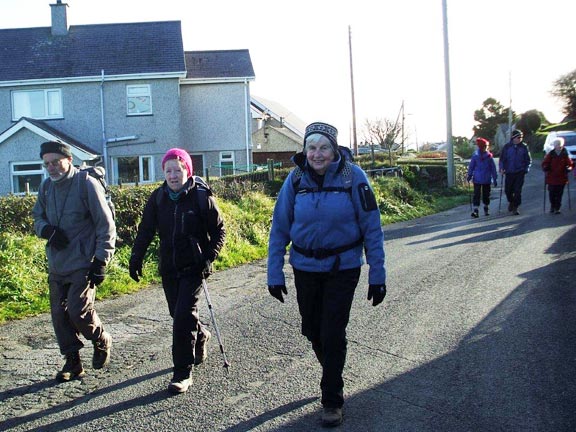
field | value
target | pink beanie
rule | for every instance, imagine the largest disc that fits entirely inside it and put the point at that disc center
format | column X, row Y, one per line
column 181, row 155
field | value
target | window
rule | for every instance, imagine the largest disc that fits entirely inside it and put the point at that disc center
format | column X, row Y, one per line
column 226, row 163
column 26, row 177
column 37, row 104
column 198, row 164
column 139, row 99
column 134, row 169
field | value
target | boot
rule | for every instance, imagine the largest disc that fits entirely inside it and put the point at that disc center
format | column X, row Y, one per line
column 331, row 417
column 515, row 211
column 475, row 213
column 486, row 211
column 102, row 348
column 201, row 347
column 180, row 382
column 72, row 368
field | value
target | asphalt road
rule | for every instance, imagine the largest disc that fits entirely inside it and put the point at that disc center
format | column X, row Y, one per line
column 477, row 333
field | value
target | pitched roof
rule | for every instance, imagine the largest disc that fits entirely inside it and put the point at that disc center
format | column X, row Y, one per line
column 118, row 49
column 219, row 64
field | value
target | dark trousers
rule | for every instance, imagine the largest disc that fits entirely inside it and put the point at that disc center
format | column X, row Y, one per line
column 324, row 301
column 481, row 190
column 182, row 294
column 555, row 193
column 513, row 188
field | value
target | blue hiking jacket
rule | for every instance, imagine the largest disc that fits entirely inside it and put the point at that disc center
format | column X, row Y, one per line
column 317, row 218
column 482, row 168
column 515, row 158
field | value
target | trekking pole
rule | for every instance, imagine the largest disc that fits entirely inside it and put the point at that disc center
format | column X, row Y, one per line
column 501, row 187
column 569, row 201
column 544, row 203
column 470, row 194
column 205, row 286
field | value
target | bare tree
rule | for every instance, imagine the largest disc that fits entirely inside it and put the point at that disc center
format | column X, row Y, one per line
column 384, row 133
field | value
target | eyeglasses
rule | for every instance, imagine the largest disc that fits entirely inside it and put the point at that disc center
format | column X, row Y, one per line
column 54, row 163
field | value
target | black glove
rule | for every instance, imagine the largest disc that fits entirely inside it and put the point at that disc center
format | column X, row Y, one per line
column 495, row 183
column 376, row 293
column 469, row 178
column 207, row 269
column 55, row 237
column 97, row 272
column 135, row 268
column 277, row 290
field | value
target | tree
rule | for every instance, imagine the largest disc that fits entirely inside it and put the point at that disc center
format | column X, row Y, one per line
column 489, row 117
column 530, row 122
column 384, row 133
column 565, row 90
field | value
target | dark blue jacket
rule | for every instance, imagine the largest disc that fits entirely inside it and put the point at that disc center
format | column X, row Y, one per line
column 482, row 168
column 515, row 158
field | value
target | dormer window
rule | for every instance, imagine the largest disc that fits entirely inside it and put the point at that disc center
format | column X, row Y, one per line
column 139, row 100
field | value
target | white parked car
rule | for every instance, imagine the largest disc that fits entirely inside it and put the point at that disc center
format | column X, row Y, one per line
column 569, row 142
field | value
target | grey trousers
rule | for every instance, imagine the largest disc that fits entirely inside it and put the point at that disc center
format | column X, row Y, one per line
column 72, row 310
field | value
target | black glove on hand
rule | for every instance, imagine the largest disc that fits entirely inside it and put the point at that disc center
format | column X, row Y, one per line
column 277, row 290
column 207, row 269
column 97, row 272
column 135, row 269
column 55, row 237
column 376, row 293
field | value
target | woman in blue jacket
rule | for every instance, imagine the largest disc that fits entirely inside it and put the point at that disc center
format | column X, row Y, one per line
column 482, row 171
column 327, row 210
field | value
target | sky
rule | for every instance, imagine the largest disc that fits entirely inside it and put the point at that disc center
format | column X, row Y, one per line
column 302, row 52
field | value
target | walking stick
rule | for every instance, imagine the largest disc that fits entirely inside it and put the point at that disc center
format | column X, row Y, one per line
column 470, row 194
column 205, row 286
column 544, row 202
column 501, row 187
column 569, row 202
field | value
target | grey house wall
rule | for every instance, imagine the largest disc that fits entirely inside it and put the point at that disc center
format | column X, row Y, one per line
column 223, row 128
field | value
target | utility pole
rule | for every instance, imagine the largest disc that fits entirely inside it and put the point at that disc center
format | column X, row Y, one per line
column 450, row 160
column 509, row 134
column 354, row 140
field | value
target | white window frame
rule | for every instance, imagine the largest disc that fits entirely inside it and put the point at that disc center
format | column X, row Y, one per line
column 143, row 160
column 14, row 174
column 51, row 107
column 138, row 100
column 224, row 159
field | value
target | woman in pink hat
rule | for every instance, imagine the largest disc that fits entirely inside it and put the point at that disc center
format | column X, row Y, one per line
column 191, row 236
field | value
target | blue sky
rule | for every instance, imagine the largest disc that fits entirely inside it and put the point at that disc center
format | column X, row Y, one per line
column 300, row 51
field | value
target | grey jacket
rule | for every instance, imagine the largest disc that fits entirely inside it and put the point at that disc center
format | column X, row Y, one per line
column 87, row 222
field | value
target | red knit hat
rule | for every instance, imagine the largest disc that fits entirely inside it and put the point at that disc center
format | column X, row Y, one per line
column 181, row 155
column 482, row 143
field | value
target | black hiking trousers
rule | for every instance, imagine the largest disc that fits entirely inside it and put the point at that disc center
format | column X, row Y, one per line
column 324, row 301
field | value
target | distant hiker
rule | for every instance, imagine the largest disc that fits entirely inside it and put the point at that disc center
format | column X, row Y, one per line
column 515, row 162
column 81, row 238
column 482, row 171
column 556, row 166
column 191, row 230
column 328, row 212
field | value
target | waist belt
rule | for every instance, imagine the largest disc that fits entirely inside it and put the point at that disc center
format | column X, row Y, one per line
column 326, row 253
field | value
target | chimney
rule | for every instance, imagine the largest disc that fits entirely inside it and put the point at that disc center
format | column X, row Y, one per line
column 59, row 24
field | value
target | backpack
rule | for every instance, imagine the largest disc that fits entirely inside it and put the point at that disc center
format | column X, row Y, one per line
column 99, row 173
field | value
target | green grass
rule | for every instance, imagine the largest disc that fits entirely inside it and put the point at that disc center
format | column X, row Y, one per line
column 247, row 217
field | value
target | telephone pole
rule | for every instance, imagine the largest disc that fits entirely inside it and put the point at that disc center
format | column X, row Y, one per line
column 354, row 140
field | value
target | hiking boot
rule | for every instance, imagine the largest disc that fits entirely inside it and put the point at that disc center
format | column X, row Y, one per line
column 557, row 211
column 552, row 210
column 475, row 213
column 72, row 369
column 201, row 347
column 180, row 383
column 486, row 211
column 331, row 417
column 102, row 348
column 515, row 211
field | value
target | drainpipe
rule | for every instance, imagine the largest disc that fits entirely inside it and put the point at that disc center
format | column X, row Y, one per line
column 104, row 146
column 247, row 121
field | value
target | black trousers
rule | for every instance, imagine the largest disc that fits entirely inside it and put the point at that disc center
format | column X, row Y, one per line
column 324, row 301
column 555, row 193
column 513, row 188
column 182, row 294
column 481, row 190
